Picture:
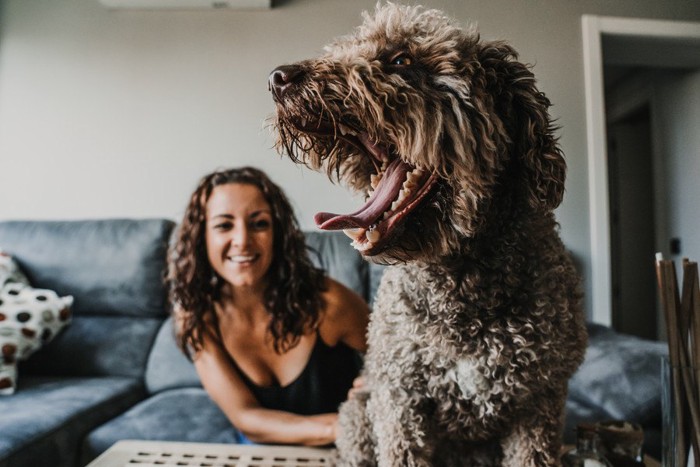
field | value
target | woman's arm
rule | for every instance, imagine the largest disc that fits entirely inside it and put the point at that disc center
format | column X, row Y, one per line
column 258, row 424
column 345, row 318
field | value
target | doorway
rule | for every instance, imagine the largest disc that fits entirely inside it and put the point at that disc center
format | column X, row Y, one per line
column 628, row 43
column 632, row 223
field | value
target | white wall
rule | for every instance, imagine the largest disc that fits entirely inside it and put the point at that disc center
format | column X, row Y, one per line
column 115, row 113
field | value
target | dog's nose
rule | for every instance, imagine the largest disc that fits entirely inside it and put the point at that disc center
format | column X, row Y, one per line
column 282, row 78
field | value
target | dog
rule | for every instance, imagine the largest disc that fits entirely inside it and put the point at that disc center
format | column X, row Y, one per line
column 477, row 325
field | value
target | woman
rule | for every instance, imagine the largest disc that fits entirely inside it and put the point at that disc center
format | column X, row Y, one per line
column 272, row 338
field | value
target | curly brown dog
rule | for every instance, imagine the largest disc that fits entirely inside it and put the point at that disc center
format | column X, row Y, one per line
column 477, row 326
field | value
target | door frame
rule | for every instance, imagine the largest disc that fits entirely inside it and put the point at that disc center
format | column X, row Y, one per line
column 594, row 28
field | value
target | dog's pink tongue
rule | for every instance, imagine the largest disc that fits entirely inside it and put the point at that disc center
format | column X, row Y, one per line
column 385, row 193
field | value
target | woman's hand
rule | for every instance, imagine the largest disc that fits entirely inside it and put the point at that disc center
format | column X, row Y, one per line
column 358, row 387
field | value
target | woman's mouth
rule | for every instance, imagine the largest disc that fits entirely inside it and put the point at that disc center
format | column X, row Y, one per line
column 243, row 259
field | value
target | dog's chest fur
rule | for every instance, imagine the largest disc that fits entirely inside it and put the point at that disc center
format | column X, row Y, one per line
column 425, row 338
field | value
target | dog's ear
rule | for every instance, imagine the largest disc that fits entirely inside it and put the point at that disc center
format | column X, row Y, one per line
column 523, row 109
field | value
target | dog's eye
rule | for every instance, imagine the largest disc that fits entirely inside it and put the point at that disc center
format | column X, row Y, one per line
column 402, row 60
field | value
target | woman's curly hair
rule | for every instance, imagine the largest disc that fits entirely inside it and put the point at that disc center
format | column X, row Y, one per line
column 294, row 285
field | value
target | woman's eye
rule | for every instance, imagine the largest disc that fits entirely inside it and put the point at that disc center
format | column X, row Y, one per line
column 261, row 224
column 223, row 226
column 402, row 60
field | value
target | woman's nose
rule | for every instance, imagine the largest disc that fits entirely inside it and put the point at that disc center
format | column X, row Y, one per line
column 240, row 236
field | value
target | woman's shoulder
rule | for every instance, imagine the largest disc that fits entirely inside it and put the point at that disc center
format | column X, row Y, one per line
column 337, row 297
column 337, row 287
column 184, row 321
column 344, row 316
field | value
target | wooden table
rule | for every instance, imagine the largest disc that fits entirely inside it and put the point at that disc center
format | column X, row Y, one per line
column 132, row 453
column 169, row 454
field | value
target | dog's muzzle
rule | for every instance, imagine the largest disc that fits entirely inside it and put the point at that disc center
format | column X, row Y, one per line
column 282, row 79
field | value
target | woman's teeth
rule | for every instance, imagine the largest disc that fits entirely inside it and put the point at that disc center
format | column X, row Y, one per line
column 242, row 258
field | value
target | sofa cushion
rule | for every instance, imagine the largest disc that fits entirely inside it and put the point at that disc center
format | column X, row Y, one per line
column 186, row 414
column 97, row 346
column 111, row 266
column 43, row 423
column 332, row 251
column 621, row 375
column 167, row 366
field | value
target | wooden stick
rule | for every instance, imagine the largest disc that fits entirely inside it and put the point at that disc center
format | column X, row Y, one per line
column 692, row 307
column 685, row 321
column 686, row 353
column 667, row 286
column 695, row 336
column 696, row 331
column 695, row 320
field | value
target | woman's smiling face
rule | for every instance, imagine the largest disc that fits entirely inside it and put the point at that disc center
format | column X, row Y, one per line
column 239, row 234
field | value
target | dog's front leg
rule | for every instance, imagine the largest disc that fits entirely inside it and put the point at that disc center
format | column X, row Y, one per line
column 400, row 424
column 536, row 439
column 355, row 443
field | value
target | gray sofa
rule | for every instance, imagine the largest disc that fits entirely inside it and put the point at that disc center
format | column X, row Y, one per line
column 115, row 372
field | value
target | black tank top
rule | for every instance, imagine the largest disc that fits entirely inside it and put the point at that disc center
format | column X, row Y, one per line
column 321, row 386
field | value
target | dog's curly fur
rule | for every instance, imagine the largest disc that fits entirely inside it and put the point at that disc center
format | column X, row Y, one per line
column 477, row 326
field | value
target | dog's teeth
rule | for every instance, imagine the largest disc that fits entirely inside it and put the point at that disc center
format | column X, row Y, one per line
column 374, row 180
column 353, row 233
column 413, row 176
column 395, row 205
column 386, row 215
column 403, row 194
column 373, row 235
column 362, row 246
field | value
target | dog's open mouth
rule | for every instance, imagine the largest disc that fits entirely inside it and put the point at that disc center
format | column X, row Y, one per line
column 397, row 188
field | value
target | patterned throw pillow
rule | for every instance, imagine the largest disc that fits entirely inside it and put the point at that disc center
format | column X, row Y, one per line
column 29, row 318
